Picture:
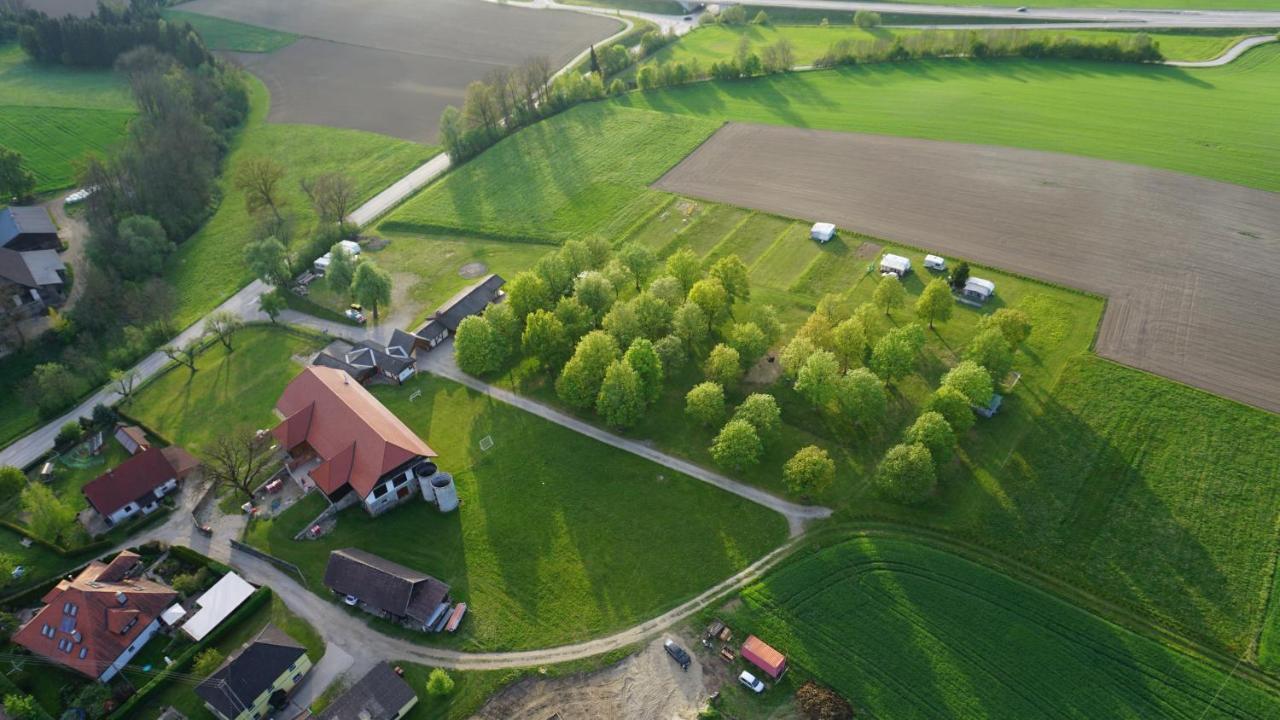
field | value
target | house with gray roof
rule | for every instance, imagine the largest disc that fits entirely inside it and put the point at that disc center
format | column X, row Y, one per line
column 32, row 276
column 385, row 588
column 382, row 694
column 256, row 681
column 470, row 301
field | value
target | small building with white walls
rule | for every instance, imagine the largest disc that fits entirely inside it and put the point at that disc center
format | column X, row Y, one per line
column 895, row 264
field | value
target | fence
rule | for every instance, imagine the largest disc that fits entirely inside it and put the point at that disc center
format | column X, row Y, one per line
column 282, row 564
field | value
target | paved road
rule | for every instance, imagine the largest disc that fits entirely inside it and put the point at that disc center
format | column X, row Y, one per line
column 404, row 187
column 440, row 362
column 1122, row 17
column 1232, row 53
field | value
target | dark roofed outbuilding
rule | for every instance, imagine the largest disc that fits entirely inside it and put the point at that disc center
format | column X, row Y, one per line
column 241, row 682
column 471, row 301
column 380, row 695
column 384, row 586
column 28, row 228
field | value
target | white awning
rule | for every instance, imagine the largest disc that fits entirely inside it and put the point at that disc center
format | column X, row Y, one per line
column 896, row 263
column 216, row 604
column 173, row 615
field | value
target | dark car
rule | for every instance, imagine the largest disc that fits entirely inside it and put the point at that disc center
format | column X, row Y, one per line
column 678, row 654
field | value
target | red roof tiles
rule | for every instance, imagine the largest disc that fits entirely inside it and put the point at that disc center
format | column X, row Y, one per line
column 129, row 481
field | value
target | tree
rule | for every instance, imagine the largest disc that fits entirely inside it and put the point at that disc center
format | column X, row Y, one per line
column 207, row 662
column 861, row 397
column 668, row 290
column 817, row 329
column 732, row 274
column 991, row 350
column 618, row 274
column 953, row 406
column 640, row 260
column 12, row 480
column 737, row 446
column 269, row 261
column 223, row 324
column 723, row 366
column 452, row 134
column 439, row 683
column 704, row 404
column 971, row 380
column 21, row 707
column 809, row 471
column 69, row 433
column 333, row 195
column 766, row 318
column 795, row 355
column 749, row 340
column 273, row 303
column 817, row 378
column 595, row 291
column 239, row 458
column 580, row 380
column 123, row 382
column 621, row 400
column 477, row 347
column 761, row 410
column 53, row 386
column 690, row 324
column 184, row 354
column 643, row 358
column 866, row 19
column 527, row 292
column 935, row 303
column 137, row 250
column 545, row 339
column 889, row 293
column 710, row 295
column 906, row 474
column 556, row 274
column 893, row 357
column 341, row 270
column 93, row 699
column 960, row 276
column 371, row 285
column 820, row 703
column 577, row 318
column 1013, row 323
column 653, row 315
column 933, row 431
column 259, row 179
column 849, row 341
column 16, row 182
column 48, row 517
column 686, row 267
column 622, row 322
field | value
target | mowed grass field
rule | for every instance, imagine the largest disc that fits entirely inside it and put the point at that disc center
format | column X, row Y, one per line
column 229, row 35
column 909, row 631
column 1215, row 122
column 230, row 390
column 53, row 115
column 559, row 538
column 209, row 267
column 808, row 42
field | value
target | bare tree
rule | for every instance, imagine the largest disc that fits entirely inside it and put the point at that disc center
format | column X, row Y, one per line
column 222, row 325
column 504, row 100
column 535, row 76
column 480, row 109
column 259, row 179
column 238, row 458
column 332, row 195
column 184, row 355
column 124, row 381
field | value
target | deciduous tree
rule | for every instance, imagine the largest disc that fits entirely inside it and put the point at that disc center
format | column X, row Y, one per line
column 595, row 291
column 223, row 324
column 546, row 339
column 732, row 274
column 991, row 350
column 341, row 270
column 371, row 286
column 749, row 340
column 477, row 346
column 971, row 380
column 207, row 662
column 273, row 303
column 239, row 458
column 671, row 352
column 818, row 377
column 136, row 250
column 723, row 366
column 861, row 397
column 704, row 404
column 761, row 410
column 439, row 684
column 640, row 260
column 889, row 293
column 48, row 517
column 906, row 474
column 686, row 267
column 932, row 431
column 1013, row 323
column 893, row 357
column 621, row 399
column 935, row 303
column 579, row 382
column 577, row 318
column 269, row 261
column 258, row 178
column 622, row 323
column 12, row 480
column 953, row 406
column 16, row 181
column 643, row 358
column 795, row 355
column 809, row 471
column 333, row 196
column 710, row 295
column 737, row 446
column 690, row 324
column 527, row 292
column 849, row 342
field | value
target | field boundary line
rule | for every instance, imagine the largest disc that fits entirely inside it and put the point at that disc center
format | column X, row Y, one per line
column 712, row 253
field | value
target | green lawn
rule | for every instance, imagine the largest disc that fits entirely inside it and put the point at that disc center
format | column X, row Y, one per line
column 908, row 631
column 208, row 268
column 230, row 390
column 1216, row 122
column 180, row 694
column 584, row 171
column 233, row 36
column 53, row 115
column 1143, row 4
column 719, row 42
column 559, row 539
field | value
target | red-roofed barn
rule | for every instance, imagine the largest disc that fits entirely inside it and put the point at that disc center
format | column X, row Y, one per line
column 342, row 440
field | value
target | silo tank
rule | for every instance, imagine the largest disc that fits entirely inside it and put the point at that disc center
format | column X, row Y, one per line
column 446, row 492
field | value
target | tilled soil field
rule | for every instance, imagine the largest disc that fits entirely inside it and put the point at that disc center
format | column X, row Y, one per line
column 392, row 66
column 1189, row 265
column 58, row 8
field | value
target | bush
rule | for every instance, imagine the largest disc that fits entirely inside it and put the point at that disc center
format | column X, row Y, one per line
column 207, row 662
column 439, row 683
column 192, row 583
column 68, row 435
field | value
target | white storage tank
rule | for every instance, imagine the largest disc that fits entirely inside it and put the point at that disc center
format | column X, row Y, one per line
column 424, row 471
column 446, row 492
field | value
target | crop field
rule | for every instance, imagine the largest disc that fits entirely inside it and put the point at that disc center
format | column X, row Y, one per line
column 1214, row 122
column 208, row 268
column 559, row 178
column 908, row 631
column 392, row 66
column 55, row 115
column 809, row 42
column 233, row 36
column 559, row 538
column 1079, row 222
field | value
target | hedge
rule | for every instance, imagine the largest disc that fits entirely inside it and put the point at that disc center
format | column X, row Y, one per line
column 261, row 596
column 8, row 688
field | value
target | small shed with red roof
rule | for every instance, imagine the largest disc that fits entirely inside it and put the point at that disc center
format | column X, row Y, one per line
column 760, row 654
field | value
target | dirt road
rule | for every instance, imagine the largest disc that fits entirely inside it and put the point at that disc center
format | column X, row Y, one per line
column 1189, row 265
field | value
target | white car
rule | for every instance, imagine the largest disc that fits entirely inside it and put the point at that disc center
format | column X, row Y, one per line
column 751, row 682
column 351, row 600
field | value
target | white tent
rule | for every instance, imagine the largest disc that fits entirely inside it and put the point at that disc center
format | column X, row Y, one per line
column 979, row 289
column 171, row 616
column 216, row 604
column 350, row 247
column 895, row 264
column 822, row 231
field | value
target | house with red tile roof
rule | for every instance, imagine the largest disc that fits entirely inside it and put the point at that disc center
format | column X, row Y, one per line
column 95, row 623
column 341, row 440
column 134, row 486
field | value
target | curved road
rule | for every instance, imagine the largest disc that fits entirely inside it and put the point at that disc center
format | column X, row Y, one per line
column 1231, row 54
